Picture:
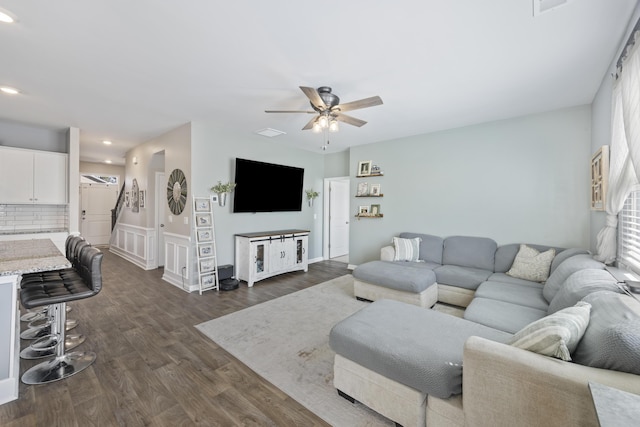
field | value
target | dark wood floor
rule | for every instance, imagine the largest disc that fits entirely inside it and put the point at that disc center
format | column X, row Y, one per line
column 154, row 368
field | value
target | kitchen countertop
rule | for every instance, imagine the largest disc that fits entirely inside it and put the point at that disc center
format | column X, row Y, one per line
column 30, row 256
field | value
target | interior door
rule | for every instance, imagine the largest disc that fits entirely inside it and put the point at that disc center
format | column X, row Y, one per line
column 97, row 200
column 338, row 218
column 161, row 204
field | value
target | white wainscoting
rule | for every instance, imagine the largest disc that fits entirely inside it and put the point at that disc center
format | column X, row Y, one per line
column 177, row 261
column 135, row 244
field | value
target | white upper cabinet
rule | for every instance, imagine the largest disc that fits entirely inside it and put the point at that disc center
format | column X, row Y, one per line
column 33, row 177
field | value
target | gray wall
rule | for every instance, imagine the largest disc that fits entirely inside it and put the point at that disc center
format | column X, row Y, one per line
column 518, row 180
column 214, row 150
column 33, row 137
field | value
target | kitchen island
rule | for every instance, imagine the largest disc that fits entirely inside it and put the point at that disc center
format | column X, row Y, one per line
column 18, row 257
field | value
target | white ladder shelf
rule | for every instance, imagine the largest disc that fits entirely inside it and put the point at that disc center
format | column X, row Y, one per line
column 206, row 255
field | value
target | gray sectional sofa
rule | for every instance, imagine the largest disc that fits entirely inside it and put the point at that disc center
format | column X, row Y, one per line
column 406, row 361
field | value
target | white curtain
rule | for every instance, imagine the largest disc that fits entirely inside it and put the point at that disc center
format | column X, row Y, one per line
column 624, row 164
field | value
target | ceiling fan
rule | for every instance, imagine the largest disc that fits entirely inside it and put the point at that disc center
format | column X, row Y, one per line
column 329, row 110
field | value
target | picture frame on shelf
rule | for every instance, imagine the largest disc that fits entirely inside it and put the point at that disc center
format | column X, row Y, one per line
column 375, row 210
column 205, row 235
column 207, row 265
column 374, row 190
column 208, row 280
column 364, row 168
column 363, row 189
column 364, row 210
column 205, row 250
column 203, row 220
column 203, row 206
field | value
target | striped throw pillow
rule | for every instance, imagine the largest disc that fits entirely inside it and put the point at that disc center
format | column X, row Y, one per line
column 556, row 335
column 406, row 249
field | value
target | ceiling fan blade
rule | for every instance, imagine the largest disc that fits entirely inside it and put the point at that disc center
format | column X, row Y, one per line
column 290, row 111
column 350, row 120
column 362, row 103
column 310, row 124
column 314, row 97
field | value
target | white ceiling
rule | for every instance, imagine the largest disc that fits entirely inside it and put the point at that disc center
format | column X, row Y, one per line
column 131, row 70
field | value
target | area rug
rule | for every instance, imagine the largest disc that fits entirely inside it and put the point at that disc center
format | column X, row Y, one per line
column 286, row 341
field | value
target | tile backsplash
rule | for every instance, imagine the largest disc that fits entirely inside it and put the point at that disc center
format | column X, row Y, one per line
column 33, row 218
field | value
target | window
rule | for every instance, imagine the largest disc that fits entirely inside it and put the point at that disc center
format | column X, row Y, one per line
column 629, row 232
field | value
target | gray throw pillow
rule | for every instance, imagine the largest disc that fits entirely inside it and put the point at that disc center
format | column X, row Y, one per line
column 612, row 339
column 579, row 285
column 531, row 264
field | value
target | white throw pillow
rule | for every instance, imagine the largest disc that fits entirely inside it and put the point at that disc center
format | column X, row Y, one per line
column 556, row 335
column 406, row 249
column 531, row 264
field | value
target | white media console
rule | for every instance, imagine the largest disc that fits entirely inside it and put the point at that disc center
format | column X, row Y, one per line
column 265, row 254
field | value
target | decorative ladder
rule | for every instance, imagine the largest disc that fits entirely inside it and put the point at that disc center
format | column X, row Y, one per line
column 205, row 244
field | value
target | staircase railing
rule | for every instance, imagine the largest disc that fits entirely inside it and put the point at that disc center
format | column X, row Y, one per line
column 117, row 208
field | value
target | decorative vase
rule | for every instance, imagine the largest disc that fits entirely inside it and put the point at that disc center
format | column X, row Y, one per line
column 310, row 203
column 222, row 199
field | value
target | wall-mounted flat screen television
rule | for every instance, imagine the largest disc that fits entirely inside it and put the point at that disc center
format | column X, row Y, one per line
column 267, row 187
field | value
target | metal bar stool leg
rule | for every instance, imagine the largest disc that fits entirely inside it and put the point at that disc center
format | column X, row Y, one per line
column 63, row 365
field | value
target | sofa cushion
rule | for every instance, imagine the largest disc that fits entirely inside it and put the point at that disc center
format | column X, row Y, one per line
column 473, row 252
column 501, row 315
column 612, row 339
column 566, row 269
column 579, row 285
column 462, row 277
column 562, row 256
column 557, row 334
column 406, row 249
column 528, row 296
column 502, row 277
column 430, row 246
column 408, row 277
column 531, row 264
column 417, row 347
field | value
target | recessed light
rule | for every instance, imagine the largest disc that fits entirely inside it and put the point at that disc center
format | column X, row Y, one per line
column 108, row 161
column 105, row 142
column 6, row 17
column 9, row 90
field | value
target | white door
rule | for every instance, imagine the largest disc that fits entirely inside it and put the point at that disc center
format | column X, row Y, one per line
column 97, row 200
column 161, row 204
column 338, row 218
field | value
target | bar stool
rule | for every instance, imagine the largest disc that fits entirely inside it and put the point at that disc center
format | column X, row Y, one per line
column 58, row 293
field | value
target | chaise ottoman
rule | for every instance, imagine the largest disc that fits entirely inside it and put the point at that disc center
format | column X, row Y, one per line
column 412, row 283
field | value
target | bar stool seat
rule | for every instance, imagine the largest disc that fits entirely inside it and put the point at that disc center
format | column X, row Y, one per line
column 56, row 293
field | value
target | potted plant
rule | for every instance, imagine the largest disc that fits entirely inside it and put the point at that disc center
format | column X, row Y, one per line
column 222, row 190
column 311, row 195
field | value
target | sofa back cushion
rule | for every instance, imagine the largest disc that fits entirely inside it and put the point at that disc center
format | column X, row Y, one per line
column 564, row 255
column 579, row 285
column 612, row 339
column 474, row 252
column 566, row 269
column 430, row 246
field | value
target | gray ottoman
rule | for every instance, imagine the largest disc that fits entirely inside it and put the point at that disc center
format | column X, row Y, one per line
column 410, row 282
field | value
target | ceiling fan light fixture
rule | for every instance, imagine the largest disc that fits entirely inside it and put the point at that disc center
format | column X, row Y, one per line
column 323, row 122
column 333, row 125
column 316, row 128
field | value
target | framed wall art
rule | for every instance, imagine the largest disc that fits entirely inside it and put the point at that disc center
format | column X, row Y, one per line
column 364, row 168
column 599, row 178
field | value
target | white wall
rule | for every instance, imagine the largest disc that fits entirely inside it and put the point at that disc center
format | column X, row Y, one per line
column 518, row 180
column 214, row 150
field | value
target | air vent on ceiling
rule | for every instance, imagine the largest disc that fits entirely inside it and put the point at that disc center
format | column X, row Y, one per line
column 541, row 6
column 270, row 133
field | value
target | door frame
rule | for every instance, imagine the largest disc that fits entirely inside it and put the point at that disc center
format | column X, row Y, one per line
column 326, row 212
column 160, row 198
